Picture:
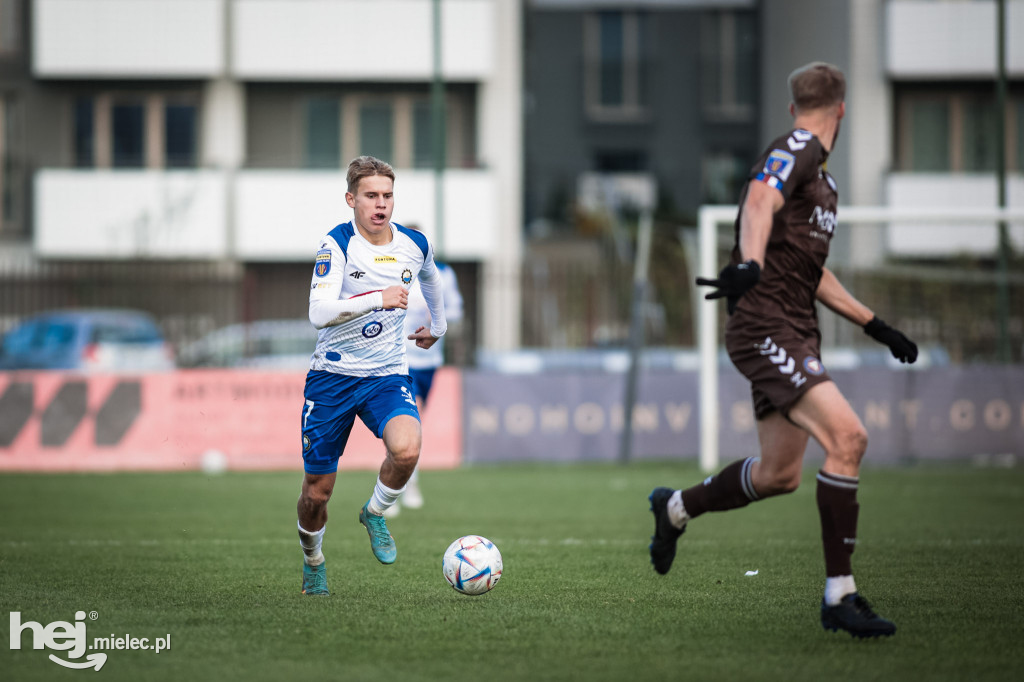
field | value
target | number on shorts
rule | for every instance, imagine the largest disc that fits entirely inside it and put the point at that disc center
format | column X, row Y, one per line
column 309, row 408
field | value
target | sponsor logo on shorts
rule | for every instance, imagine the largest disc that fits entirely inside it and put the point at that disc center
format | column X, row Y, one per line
column 813, row 366
column 406, row 276
column 372, row 329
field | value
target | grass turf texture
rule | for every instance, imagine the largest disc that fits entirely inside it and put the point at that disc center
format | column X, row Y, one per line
column 215, row 562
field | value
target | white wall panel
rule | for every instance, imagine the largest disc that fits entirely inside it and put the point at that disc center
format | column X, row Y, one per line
column 925, row 38
column 130, row 214
column 128, row 38
column 360, row 39
column 281, row 215
column 944, row 190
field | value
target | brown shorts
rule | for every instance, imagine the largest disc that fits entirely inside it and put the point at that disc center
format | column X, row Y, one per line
column 781, row 362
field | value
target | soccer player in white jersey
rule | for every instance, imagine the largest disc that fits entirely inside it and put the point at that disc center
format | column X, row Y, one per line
column 424, row 362
column 358, row 300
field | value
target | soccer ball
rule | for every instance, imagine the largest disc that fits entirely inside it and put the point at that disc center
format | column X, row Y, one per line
column 472, row 565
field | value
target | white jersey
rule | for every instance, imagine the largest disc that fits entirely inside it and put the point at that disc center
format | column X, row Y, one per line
column 347, row 265
column 418, row 315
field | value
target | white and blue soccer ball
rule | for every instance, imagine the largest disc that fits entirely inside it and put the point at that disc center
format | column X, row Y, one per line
column 472, row 565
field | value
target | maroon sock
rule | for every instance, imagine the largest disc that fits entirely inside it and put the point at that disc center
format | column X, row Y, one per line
column 731, row 488
column 837, row 505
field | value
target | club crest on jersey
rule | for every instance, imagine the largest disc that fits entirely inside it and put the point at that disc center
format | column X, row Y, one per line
column 813, row 366
column 323, row 263
column 780, row 164
column 406, row 276
column 372, row 329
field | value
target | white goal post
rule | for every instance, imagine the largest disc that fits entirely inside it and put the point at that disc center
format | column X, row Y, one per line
column 711, row 217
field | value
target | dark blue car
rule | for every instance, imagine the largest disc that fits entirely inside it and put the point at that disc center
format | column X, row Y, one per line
column 107, row 340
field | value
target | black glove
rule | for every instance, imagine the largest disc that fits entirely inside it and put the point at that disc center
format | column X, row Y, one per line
column 733, row 281
column 903, row 349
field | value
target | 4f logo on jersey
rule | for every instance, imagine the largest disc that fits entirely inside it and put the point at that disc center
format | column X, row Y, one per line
column 783, row 361
column 356, row 274
column 323, row 263
column 799, row 139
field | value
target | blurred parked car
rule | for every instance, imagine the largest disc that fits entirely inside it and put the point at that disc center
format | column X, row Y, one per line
column 265, row 344
column 88, row 340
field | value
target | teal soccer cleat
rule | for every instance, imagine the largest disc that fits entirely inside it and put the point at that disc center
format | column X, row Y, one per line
column 314, row 580
column 381, row 542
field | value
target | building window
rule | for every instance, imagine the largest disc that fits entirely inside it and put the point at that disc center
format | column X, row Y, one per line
column 323, row 132
column 1017, row 131
column 180, row 137
column 12, row 187
column 620, row 161
column 325, row 127
column 615, row 64
column 127, row 133
column 724, row 174
column 729, row 65
column 84, row 132
column 376, row 129
column 135, row 130
column 953, row 130
column 422, row 134
column 10, row 26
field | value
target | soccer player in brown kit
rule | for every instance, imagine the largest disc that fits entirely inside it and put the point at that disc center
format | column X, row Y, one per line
column 777, row 272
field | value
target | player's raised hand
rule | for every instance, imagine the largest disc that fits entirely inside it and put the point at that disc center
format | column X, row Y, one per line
column 902, row 348
column 423, row 338
column 733, row 281
column 395, row 297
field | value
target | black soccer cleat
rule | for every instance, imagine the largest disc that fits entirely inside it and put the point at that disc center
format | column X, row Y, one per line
column 855, row 615
column 663, row 542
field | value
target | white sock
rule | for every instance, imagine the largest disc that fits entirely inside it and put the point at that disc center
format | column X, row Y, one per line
column 383, row 497
column 311, row 543
column 676, row 511
column 837, row 587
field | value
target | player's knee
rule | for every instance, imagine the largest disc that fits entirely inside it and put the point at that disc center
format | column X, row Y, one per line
column 779, row 483
column 316, row 495
column 405, row 451
column 851, row 446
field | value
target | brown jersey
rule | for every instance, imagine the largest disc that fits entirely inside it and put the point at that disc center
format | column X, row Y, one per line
column 801, row 231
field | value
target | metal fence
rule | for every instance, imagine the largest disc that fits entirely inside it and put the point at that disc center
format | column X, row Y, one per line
column 573, row 294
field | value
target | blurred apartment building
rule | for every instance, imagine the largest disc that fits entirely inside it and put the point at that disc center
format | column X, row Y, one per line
column 215, row 134
column 185, row 141
column 675, row 98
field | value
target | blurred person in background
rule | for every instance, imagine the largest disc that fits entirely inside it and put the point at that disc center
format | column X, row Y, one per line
column 777, row 272
column 424, row 362
column 358, row 300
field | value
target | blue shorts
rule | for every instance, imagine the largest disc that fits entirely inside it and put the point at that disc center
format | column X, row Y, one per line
column 422, row 380
column 332, row 403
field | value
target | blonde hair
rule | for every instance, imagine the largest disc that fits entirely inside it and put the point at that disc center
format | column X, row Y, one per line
column 365, row 167
column 817, row 85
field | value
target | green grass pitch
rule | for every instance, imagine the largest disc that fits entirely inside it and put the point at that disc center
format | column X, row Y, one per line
column 214, row 561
